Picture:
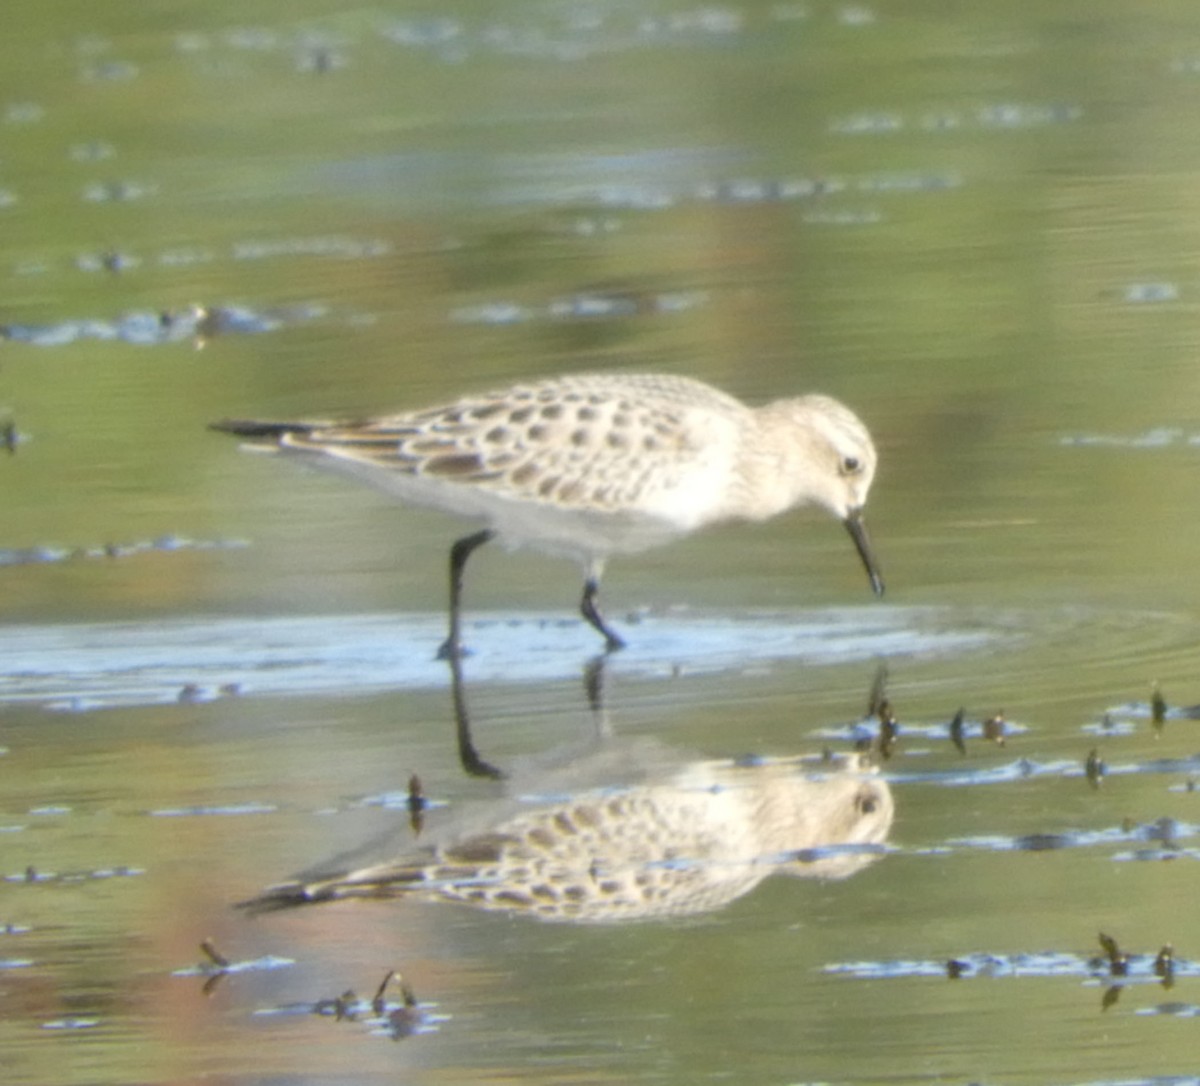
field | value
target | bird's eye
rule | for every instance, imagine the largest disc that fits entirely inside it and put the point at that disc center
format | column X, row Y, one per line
column 851, row 465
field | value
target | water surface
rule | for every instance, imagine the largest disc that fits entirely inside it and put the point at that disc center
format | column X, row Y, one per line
column 973, row 225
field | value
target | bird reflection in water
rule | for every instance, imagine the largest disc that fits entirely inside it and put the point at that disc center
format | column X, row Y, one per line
column 686, row 842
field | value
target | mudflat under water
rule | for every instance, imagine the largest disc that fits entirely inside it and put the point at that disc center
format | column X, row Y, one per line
column 974, row 226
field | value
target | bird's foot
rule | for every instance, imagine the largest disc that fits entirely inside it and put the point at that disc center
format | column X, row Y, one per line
column 613, row 643
column 451, row 649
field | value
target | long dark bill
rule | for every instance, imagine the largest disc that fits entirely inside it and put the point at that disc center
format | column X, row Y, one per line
column 858, row 532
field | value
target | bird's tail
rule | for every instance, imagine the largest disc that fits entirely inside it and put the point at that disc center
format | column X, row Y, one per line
column 391, row 881
column 260, row 428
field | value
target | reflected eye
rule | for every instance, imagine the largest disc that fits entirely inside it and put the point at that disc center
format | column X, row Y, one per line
column 866, row 803
column 851, row 465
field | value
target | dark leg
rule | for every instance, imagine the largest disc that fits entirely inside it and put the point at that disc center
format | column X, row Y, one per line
column 452, row 647
column 473, row 765
column 593, row 682
column 589, row 610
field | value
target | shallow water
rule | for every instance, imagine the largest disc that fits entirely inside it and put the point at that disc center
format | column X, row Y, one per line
column 973, row 225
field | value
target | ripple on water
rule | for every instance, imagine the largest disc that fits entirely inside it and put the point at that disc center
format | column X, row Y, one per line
column 1129, row 968
column 144, row 328
column 1160, row 437
column 102, row 665
column 86, row 666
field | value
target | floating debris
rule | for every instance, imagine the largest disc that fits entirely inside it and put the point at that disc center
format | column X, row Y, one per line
column 401, row 1020
column 383, row 1016
column 109, row 261
column 1119, row 719
column 1166, row 833
column 1118, row 962
column 1158, row 708
column 889, row 729
column 956, row 733
column 865, row 730
column 1094, row 768
column 216, row 964
column 340, row 1007
column 320, row 59
column 1138, row 968
column 219, row 963
column 1108, row 725
column 995, row 728
column 878, row 694
column 1164, row 965
column 416, row 804
column 9, row 436
column 213, row 955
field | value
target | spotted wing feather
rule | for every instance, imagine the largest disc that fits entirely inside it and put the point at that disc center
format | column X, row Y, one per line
column 575, row 442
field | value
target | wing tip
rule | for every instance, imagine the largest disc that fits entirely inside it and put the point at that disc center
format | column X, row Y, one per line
column 259, row 428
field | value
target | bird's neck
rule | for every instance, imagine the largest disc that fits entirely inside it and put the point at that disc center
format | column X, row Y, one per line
column 775, row 467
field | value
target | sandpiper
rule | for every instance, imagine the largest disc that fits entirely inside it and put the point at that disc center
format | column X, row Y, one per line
column 687, row 844
column 592, row 465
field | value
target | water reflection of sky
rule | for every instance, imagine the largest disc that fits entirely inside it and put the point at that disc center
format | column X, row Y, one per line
column 104, row 665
